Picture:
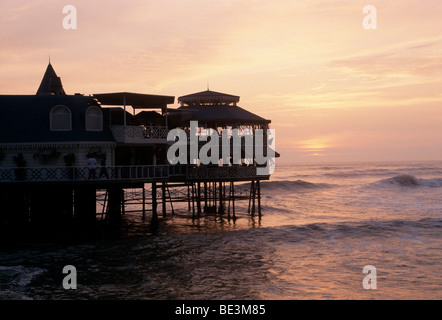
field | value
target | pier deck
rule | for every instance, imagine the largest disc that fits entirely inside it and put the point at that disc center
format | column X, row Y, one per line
column 40, row 196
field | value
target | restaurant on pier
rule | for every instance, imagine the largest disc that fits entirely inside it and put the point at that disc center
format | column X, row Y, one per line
column 59, row 151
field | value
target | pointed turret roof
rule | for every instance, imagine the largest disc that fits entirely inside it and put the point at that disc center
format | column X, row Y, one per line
column 51, row 83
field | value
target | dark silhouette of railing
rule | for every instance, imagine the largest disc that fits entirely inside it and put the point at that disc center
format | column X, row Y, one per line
column 125, row 173
column 71, row 174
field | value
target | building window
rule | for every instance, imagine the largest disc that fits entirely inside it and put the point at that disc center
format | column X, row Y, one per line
column 94, row 119
column 60, row 119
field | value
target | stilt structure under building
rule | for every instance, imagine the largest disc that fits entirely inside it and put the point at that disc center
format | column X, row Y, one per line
column 61, row 155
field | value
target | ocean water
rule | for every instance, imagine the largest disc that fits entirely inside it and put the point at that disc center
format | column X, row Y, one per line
column 320, row 225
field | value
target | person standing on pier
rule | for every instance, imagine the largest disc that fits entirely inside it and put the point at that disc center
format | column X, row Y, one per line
column 91, row 162
column 103, row 169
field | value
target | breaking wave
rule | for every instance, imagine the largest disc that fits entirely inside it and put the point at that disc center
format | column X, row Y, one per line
column 13, row 277
column 293, row 185
column 410, row 181
column 318, row 231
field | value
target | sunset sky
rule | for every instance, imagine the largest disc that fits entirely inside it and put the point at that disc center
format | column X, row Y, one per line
column 333, row 90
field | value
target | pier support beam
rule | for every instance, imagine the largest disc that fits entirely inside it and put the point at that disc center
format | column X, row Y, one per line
column 188, row 196
column 115, row 203
column 258, row 183
column 193, row 200
column 144, row 203
column 199, row 199
column 154, row 222
column 163, row 198
column 51, row 208
column 205, row 196
column 15, row 208
column 85, row 206
column 170, row 199
column 3, row 209
column 232, row 200
column 221, row 201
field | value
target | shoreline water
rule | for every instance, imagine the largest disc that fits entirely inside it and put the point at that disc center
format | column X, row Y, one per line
column 321, row 225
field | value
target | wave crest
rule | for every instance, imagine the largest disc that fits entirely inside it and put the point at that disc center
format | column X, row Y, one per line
column 411, row 181
column 294, row 185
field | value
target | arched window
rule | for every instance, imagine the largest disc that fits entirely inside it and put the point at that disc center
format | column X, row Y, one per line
column 94, row 119
column 60, row 118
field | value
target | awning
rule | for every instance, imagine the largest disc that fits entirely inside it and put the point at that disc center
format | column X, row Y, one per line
column 136, row 100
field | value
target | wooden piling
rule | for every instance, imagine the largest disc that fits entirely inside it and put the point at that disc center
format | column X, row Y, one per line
column 254, row 199
column 123, row 202
column 154, row 221
column 188, row 196
column 205, row 196
column 193, row 200
column 259, row 197
column 104, row 213
column 199, row 199
column 85, row 206
column 163, row 198
column 232, row 184
column 144, row 203
column 221, row 202
column 170, row 199
column 115, row 203
column 252, row 186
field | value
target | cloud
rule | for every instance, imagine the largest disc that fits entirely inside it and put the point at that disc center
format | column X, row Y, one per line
column 309, row 66
column 410, row 60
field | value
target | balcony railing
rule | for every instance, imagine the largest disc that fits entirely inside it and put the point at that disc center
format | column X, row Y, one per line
column 140, row 134
column 78, row 174
column 126, row 173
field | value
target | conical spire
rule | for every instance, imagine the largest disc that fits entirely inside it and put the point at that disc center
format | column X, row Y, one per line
column 51, row 83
